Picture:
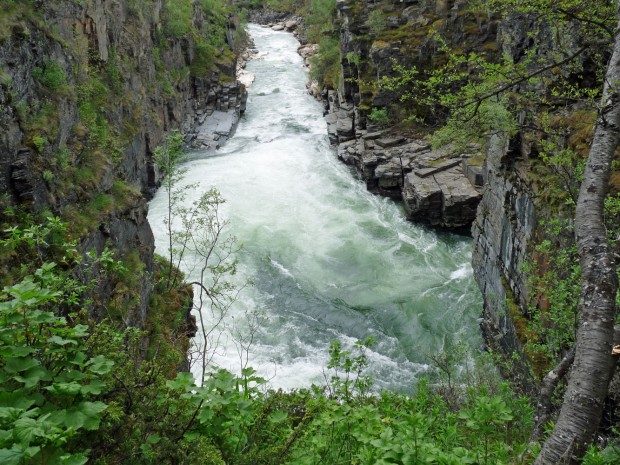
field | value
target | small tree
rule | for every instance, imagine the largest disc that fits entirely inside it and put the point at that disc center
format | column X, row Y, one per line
column 198, row 240
column 168, row 159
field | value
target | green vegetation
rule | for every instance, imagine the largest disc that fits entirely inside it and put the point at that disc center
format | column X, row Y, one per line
column 178, row 17
column 210, row 46
column 48, row 380
column 379, row 116
column 467, row 97
column 51, row 76
column 376, row 22
column 554, row 275
column 319, row 20
column 75, row 392
column 325, row 64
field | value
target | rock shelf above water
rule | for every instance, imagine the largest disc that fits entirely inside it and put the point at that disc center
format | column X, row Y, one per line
column 438, row 187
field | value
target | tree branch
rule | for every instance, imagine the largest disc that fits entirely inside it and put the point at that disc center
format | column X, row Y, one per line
column 477, row 101
column 581, row 19
column 547, row 387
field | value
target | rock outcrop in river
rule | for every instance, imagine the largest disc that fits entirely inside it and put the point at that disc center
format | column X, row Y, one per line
column 433, row 184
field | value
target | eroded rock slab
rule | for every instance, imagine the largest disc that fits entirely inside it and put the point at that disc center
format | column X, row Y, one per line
column 216, row 129
column 445, row 199
column 438, row 187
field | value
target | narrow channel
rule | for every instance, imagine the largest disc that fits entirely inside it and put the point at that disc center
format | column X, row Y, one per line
column 327, row 259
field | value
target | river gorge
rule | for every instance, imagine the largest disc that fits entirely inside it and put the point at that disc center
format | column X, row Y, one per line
column 327, row 260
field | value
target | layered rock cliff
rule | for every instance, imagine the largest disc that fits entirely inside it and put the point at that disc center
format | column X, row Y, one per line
column 439, row 187
column 88, row 90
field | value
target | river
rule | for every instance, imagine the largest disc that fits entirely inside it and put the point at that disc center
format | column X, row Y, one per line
column 327, row 259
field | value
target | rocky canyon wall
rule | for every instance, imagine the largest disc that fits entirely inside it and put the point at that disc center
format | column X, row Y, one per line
column 88, row 90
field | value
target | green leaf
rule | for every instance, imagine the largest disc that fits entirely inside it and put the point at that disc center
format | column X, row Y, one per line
column 70, row 419
column 61, row 341
column 84, row 415
column 183, row 381
column 41, row 318
column 95, row 387
column 31, row 451
column 92, row 408
column 15, row 351
column 73, row 459
column 9, row 412
column 11, row 456
column 19, row 364
column 16, row 399
column 92, row 411
column 5, row 435
column 79, row 331
column 278, row 416
column 79, row 359
column 71, row 388
column 205, row 415
column 27, row 429
column 33, row 376
column 100, row 365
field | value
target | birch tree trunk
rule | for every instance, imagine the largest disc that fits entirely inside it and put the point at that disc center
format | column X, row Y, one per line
column 582, row 407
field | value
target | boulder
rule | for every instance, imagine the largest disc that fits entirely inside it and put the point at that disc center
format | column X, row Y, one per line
column 314, row 89
column 306, row 51
column 290, row 25
column 389, row 178
column 474, row 172
column 331, row 119
column 460, row 199
column 445, row 198
column 277, row 27
column 422, row 199
column 345, row 125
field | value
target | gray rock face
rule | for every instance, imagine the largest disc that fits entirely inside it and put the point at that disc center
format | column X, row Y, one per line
column 432, row 183
column 340, row 119
column 438, row 188
column 444, row 198
column 387, row 142
column 214, row 125
column 105, row 29
column 503, row 227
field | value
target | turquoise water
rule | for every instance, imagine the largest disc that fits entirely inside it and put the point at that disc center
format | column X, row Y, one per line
column 327, row 259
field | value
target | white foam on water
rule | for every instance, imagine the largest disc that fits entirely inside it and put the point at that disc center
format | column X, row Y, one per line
column 464, row 271
column 283, row 270
column 327, row 259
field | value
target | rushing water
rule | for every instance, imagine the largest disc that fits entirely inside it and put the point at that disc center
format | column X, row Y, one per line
column 327, row 259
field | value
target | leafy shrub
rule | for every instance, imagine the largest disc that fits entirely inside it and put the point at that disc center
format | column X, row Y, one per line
column 379, row 116
column 63, row 157
column 288, row 6
column 48, row 382
column 178, row 17
column 51, row 75
column 71, row 393
column 48, row 176
column 39, row 142
column 354, row 58
column 376, row 21
column 325, row 65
